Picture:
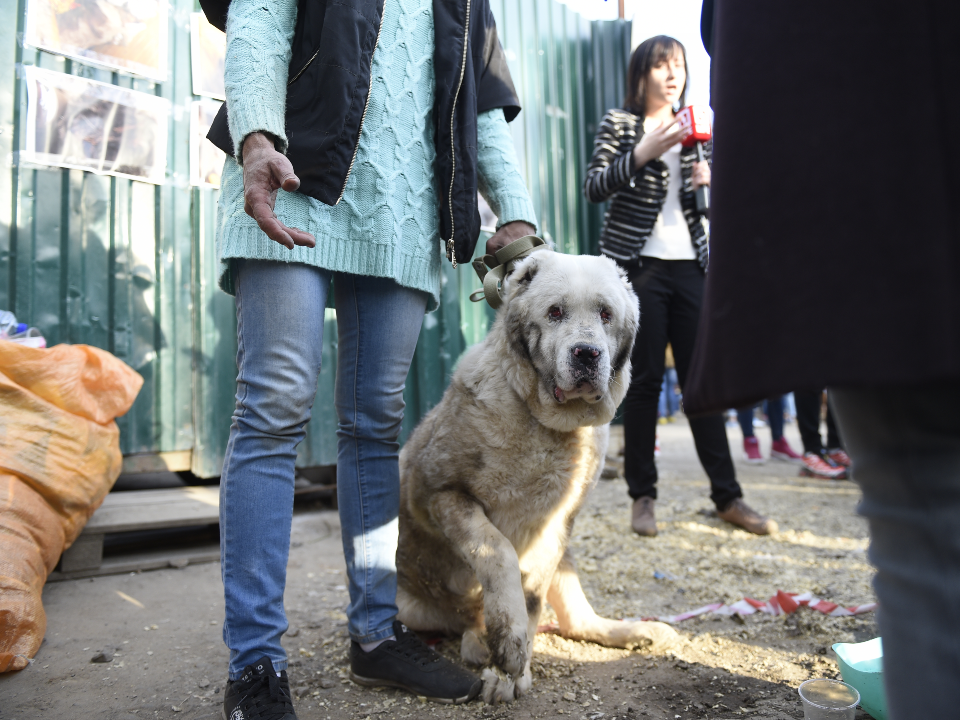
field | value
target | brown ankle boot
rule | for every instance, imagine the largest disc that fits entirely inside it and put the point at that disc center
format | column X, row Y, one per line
column 643, row 521
column 741, row 514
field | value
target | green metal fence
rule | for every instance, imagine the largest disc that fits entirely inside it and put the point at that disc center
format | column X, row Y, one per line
column 131, row 268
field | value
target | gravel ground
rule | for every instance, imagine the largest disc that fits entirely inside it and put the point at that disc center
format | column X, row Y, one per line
column 167, row 659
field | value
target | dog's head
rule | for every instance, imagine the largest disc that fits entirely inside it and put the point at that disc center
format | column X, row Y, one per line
column 568, row 324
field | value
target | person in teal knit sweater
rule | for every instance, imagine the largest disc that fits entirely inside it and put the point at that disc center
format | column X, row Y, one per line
column 380, row 247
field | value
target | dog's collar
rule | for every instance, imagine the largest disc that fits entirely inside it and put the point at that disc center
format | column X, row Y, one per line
column 492, row 269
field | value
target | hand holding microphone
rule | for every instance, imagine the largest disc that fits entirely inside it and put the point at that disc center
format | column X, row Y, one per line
column 694, row 122
column 701, row 174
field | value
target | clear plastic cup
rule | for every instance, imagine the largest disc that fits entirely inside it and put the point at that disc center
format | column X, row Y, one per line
column 828, row 700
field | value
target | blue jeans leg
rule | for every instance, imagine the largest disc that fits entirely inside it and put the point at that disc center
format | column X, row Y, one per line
column 672, row 399
column 280, row 337
column 774, row 409
column 378, row 323
column 669, row 400
column 745, row 418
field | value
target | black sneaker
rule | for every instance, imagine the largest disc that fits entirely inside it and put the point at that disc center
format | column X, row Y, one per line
column 259, row 694
column 407, row 663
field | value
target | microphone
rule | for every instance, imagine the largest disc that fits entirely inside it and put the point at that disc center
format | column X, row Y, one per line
column 694, row 122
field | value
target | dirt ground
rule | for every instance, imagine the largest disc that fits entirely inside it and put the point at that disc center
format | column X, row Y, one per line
column 164, row 658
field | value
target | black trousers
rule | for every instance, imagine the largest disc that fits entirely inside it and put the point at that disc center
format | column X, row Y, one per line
column 670, row 293
column 808, row 422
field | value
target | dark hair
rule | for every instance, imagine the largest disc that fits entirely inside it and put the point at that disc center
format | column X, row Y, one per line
column 649, row 54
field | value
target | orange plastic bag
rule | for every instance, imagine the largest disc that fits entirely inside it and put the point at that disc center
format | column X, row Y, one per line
column 59, row 457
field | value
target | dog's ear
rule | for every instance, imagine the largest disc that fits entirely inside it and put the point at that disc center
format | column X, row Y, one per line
column 524, row 272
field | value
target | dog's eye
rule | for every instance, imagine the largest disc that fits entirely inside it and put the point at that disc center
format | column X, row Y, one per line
column 605, row 315
column 555, row 312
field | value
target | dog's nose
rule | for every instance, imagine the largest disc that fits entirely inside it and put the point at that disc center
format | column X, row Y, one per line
column 586, row 355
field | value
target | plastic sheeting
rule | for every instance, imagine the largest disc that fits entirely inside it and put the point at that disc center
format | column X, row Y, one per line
column 59, row 457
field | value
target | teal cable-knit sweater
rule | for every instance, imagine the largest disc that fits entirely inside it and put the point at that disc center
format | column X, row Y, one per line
column 387, row 223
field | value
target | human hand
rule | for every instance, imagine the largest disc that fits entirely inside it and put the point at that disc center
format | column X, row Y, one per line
column 265, row 172
column 701, row 174
column 655, row 143
column 508, row 233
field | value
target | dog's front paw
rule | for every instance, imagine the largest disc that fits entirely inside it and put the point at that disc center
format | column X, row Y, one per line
column 509, row 648
column 645, row 635
column 498, row 688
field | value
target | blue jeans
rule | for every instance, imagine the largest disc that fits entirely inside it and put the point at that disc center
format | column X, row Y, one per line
column 774, row 415
column 280, row 310
column 669, row 399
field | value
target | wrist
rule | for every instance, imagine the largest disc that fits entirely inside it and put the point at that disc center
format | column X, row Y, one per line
column 516, row 229
column 257, row 141
column 519, row 228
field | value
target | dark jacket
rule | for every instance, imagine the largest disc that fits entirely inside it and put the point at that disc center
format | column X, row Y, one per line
column 835, row 242
column 329, row 84
column 637, row 195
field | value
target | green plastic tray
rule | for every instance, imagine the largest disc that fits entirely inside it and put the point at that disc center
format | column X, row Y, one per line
column 861, row 665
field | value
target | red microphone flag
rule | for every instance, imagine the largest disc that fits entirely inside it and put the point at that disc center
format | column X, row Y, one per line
column 694, row 123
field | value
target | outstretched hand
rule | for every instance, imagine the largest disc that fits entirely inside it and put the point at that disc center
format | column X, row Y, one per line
column 655, row 143
column 265, row 172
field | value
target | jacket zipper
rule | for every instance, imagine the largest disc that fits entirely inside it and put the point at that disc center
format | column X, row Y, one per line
column 312, row 58
column 451, row 253
column 356, row 148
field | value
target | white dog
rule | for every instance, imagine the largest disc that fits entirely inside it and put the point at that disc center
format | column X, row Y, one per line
column 492, row 479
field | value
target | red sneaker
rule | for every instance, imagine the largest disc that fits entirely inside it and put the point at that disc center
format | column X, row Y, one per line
column 816, row 466
column 751, row 451
column 781, row 450
column 839, row 457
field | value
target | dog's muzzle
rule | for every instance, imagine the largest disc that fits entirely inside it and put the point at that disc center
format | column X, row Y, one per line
column 584, row 362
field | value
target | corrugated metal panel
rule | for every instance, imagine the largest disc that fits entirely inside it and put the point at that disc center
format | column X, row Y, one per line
column 605, row 78
column 131, row 267
column 102, row 260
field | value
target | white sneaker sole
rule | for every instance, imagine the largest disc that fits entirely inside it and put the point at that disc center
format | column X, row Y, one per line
column 807, row 472
column 374, row 682
column 774, row 455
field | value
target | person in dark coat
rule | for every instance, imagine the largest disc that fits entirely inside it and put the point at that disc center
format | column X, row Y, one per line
column 834, row 196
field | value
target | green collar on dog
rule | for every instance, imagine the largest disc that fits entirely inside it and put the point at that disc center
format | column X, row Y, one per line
column 492, row 269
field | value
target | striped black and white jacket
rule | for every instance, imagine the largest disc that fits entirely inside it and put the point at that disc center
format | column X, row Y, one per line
column 637, row 196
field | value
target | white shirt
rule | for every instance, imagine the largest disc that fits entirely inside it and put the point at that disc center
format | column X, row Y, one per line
column 670, row 239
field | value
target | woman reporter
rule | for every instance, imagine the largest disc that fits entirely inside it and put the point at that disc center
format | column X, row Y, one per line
column 653, row 230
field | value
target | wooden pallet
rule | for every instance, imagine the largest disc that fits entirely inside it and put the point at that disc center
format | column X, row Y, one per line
column 142, row 510
column 152, row 510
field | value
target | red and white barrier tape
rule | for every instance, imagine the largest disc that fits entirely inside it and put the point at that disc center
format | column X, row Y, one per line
column 783, row 603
